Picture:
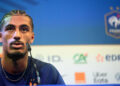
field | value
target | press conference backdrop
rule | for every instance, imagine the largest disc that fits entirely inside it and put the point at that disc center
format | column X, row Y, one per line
column 80, row 37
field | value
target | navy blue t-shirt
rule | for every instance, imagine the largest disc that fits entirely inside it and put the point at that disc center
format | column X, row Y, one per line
column 48, row 75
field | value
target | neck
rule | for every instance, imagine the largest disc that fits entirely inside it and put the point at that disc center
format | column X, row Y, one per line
column 14, row 67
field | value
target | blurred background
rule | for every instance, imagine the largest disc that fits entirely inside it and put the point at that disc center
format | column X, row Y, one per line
column 79, row 37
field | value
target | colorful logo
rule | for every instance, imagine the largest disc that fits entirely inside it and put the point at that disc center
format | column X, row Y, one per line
column 80, row 78
column 99, row 58
column 112, row 23
column 80, row 58
column 108, row 58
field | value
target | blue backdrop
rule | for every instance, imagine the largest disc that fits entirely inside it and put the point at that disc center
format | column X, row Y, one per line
column 66, row 22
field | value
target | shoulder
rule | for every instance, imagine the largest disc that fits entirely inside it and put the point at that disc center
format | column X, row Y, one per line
column 48, row 72
column 43, row 65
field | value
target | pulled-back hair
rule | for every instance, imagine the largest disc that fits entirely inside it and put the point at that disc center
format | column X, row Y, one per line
column 15, row 13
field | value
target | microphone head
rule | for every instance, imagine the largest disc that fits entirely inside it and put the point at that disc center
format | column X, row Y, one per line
column 28, row 46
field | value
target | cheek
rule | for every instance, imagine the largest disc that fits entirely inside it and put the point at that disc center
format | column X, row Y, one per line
column 6, row 37
column 25, row 38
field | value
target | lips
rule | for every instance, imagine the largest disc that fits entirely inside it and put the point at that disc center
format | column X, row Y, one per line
column 17, row 45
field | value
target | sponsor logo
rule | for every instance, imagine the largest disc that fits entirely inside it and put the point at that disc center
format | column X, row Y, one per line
column 49, row 58
column 80, row 58
column 112, row 57
column 117, row 77
column 108, row 58
column 80, row 78
column 112, row 23
column 99, row 58
column 100, row 77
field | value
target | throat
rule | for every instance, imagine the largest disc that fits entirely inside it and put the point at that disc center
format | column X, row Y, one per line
column 13, row 77
column 14, row 67
column 14, row 63
column 19, row 66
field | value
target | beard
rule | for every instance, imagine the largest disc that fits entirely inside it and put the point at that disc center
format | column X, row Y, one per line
column 16, row 56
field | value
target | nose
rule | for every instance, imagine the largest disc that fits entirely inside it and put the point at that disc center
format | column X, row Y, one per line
column 17, row 35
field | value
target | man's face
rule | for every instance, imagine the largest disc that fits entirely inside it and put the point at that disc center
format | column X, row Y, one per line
column 16, row 32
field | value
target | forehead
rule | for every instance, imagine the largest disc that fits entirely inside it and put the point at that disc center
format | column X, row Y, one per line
column 17, row 20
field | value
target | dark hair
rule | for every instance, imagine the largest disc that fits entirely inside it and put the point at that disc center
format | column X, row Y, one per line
column 15, row 13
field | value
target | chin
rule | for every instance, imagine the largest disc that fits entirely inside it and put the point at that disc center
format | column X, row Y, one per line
column 16, row 55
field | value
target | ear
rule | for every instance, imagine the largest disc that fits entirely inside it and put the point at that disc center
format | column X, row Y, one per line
column 0, row 36
column 32, row 38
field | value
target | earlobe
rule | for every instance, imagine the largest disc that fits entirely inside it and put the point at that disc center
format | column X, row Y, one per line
column 0, row 37
column 32, row 38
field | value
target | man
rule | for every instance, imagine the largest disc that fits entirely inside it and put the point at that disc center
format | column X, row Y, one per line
column 16, row 68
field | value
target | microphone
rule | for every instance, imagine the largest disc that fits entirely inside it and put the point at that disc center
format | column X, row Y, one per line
column 35, row 66
column 28, row 46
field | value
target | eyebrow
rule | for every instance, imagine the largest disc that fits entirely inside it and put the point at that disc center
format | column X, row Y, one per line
column 9, row 25
column 19, row 26
column 24, row 25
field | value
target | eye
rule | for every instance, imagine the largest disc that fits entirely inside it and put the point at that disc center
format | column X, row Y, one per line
column 10, row 27
column 24, row 28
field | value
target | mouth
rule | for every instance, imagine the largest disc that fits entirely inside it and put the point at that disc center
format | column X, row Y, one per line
column 17, row 45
